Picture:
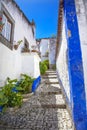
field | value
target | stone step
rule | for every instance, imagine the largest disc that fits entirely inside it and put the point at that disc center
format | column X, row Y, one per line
column 49, row 88
column 50, row 74
column 46, row 77
column 47, row 82
column 41, row 99
column 48, row 71
column 50, row 93
column 46, row 106
column 59, row 106
column 51, row 80
column 54, row 86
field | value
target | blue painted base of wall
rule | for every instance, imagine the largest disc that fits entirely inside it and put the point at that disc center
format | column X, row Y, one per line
column 1, row 108
column 82, row 125
column 36, row 83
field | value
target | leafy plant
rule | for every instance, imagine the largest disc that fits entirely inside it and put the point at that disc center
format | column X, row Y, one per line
column 3, row 99
column 46, row 63
column 14, row 99
column 1, row 26
column 43, row 68
column 26, row 83
column 19, row 42
column 12, row 82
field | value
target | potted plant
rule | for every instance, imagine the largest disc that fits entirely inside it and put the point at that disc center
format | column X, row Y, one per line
column 17, row 45
column 33, row 50
column 1, row 26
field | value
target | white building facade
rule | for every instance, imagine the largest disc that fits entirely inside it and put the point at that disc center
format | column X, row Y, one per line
column 47, row 48
column 16, row 29
column 44, row 48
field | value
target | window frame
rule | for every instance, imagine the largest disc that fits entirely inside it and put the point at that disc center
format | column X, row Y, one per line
column 3, row 40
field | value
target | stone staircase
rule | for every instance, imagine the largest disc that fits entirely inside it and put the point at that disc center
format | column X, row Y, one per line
column 51, row 97
column 44, row 110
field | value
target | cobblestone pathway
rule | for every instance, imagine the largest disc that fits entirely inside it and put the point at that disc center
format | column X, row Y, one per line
column 45, row 110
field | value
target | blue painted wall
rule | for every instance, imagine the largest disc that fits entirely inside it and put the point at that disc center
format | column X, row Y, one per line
column 75, row 67
column 36, row 83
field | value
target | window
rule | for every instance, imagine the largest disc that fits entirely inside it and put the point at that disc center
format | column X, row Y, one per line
column 7, row 34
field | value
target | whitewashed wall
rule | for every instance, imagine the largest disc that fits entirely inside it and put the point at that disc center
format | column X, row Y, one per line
column 30, row 64
column 10, row 64
column 81, row 8
column 13, row 62
column 62, row 64
column 44, row 47
column 36, row 65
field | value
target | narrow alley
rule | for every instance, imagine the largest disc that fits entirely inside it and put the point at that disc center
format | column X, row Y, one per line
column 43, row 110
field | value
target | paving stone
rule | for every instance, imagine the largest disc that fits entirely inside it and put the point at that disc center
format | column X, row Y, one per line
column 40, row 111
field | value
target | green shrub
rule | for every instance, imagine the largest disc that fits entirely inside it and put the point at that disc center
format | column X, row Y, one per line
column 14, row 99
column 26, row 83
column 10, row 95
column 3, row 99
column 46, row 62
column 43, row 68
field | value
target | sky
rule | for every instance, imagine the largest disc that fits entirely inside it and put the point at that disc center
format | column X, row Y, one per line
column 44, row 13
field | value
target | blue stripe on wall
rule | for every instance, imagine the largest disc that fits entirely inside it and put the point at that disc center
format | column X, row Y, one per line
column 77, row 88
